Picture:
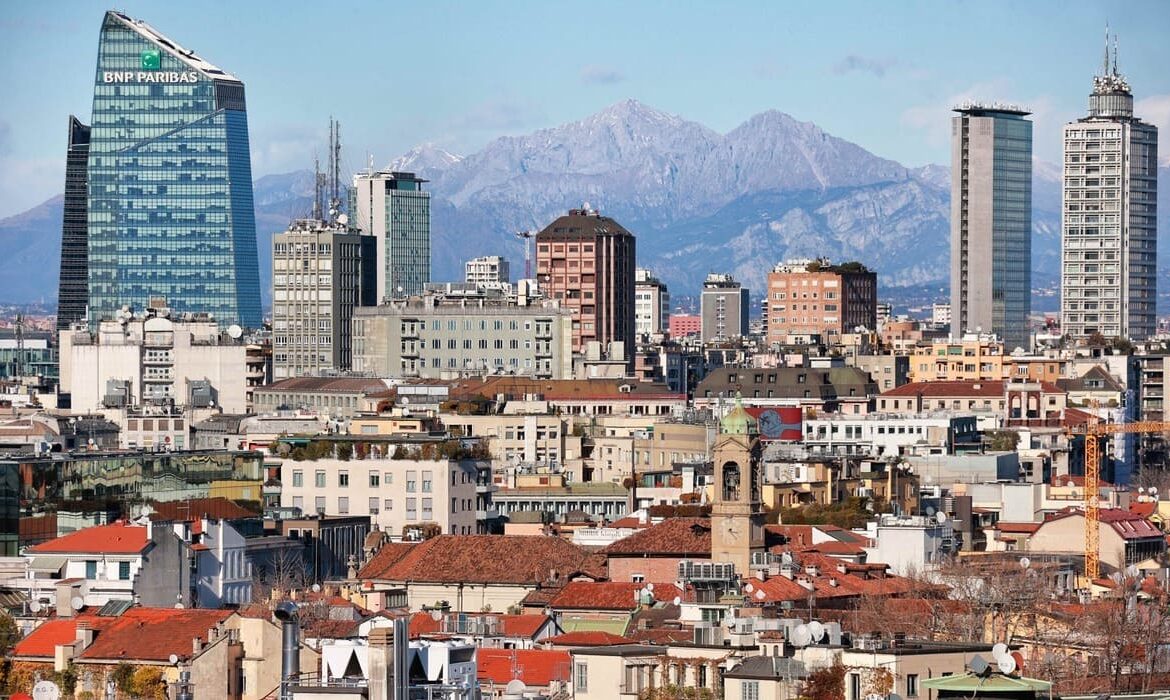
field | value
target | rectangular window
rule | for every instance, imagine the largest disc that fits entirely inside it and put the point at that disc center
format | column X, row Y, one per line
column 912, row 685
column 374, row 479
column 427, row 479
column 751, row 690
column 411, row 481
column 343, row 479
column 319, row 479
column 343, row 505
column 373, row 504
column 298, row 478
column 388, row 504
column 581, row 677
column 123, row 571
column 91, row 570
column 299, row 503
column 319, row 504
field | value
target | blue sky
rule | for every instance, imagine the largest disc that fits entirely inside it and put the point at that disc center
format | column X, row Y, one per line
column 881, row 74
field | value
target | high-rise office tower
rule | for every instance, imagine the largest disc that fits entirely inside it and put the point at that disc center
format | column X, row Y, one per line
column 1109, row 220
column 393, row 208
column 73, row 284
column 724, row 308
column 991, row 222
column 320, row 272
column 170, row 181
column 586, row 260
column 651, row 303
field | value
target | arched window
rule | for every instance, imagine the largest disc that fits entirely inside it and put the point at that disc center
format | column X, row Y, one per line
column 730, row 481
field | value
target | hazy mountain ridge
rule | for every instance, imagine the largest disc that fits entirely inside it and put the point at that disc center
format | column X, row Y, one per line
column 699, row 201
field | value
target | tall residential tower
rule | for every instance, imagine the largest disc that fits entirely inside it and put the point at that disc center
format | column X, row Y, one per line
column 991, row 222
column 1109, row 216
column 392, row 207
column 170, row 181
column 73, row 284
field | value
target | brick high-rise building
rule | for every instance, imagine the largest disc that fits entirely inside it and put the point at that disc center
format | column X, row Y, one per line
column 587, row 261
column 814, row 297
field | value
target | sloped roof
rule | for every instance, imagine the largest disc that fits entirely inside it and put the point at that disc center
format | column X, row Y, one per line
column 118, row 538
column 386, row 556
column 587, row 638
column 534, row 667
column 984, row 388
column 562, row 389
column 671, row 537
column 139, row 634
column 993, row 683
column 609, row 595
column 487, row 559
column 1095, row 373
column 1126, row 524
column 527, row 626
column 217, row 508
column 328, row 385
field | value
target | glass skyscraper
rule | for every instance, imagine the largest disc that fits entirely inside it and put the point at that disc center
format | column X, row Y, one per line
column 73, row 284
column 170, row 181
column 991, row 223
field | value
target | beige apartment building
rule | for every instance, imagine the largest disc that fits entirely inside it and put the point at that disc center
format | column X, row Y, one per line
column 973, row 357
column 395, row 493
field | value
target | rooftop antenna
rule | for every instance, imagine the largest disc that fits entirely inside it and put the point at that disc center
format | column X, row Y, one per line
column 1114, row 54
column 526, row 237
column 316, row 188
column 334, row 168
column 1106, row 71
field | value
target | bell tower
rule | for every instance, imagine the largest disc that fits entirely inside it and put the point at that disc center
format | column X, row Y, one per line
column 737, row 513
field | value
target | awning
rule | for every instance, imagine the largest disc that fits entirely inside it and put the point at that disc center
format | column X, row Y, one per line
column 48, row 563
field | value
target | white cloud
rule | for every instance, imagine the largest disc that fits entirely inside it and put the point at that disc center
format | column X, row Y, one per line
column 865, row 64
column 601, row 75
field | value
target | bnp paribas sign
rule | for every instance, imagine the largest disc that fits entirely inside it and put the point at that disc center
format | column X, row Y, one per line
column 149, row 71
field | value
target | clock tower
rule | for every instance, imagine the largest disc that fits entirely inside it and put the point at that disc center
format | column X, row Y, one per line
column 737, row 514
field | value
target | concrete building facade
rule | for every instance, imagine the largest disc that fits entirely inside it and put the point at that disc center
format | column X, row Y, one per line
column 320, row 272
column 651, row 303
column 488, row 272
column 724, row 308
column 393, row 208
column 1109, row 216
column 991, row 222
column 816, row 298
column 586, row 261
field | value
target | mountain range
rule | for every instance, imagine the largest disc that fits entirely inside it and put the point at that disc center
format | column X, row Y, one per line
column 699, row 201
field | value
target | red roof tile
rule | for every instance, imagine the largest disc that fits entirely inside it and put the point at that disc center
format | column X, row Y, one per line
column 139, row 634
column 535, row 667
column 119, row 538
column 525, row 626
column 679, row 537
column 1143, row 508
column 1017, row 528
column 387, row 555
column 42, row 641
column 1127, row 525
column 587, row 638
column 217, row 508
column 985, row 388
column 499, row 559
column 608, row 595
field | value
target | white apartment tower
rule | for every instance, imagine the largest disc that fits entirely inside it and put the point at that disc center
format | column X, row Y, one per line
column 392, row 207
column 1109, row 212
column 651, row 303
column 488, row 272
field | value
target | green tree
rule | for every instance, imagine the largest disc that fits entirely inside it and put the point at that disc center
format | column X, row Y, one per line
column 9, row 634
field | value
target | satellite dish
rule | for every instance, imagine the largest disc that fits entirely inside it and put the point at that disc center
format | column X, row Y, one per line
column 1153, row 491
column 998, row 650
column 677, row 600
column 1006, row 664
column 748, row 588
column 977, row 664
column 178, row 606
column 1141, row 489
column 760, row 595
column 941, row 517
column 515, row 687
column 930, row 511
column 1132, row 570
column 1025, row 562
column 77, row 603
column 235, row 331
column 801, row 636
column 46, row 690
column 817, row 630
column 649, row 586
column 316, row 588
column 729, row 622
column 1070, row 484
column 436, row 615
column 342, row 219
column 35, row 606
column 173, row 658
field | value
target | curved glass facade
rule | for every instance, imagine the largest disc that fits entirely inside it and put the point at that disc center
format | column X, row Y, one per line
column 170, row 181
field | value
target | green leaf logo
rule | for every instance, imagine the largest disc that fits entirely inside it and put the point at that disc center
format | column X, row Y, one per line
column 151, row 59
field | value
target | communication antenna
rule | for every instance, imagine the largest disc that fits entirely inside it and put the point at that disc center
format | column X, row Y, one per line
column 316, row 188
column 1006, row 664
column 77, row 603
column 817, row 630
column 801, row 636
column 526, row 237
column 234, row 331
column 978, row 665
column 1025, row 562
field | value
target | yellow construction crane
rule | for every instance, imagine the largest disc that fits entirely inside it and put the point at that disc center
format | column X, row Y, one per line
column 1092, row 433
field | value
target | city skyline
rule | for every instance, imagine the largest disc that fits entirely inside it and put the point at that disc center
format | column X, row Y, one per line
column 462, row 102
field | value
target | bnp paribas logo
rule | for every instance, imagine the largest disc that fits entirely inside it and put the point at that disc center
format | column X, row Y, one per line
column 151, row 59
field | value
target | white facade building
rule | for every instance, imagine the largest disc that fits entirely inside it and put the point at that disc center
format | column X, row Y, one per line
column 488, row 272
column 651, row 303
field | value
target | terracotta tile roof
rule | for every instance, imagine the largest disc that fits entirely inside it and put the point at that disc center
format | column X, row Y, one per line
column 1017, row 528
column 498, row 559
column 1143, row 508
column 139, row 634
column 386, row 556
column 678, row 537
column 540, row 597
column 562, row 389
column 525, row 626
column 1126, row 524
column 119, row 538
column 837, row 548
column 985, row 388
column 587, row 638
column 608, row 595
column 330, row 385
column 217, row 508
column 630, row 521
column 535, row 667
